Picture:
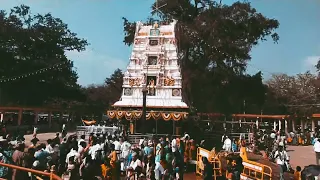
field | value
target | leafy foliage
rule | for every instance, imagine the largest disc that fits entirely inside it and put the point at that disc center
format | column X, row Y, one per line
column 114, row 84
column 29, row 42
column 100, row 97
column 214, row 42
column 299, row 94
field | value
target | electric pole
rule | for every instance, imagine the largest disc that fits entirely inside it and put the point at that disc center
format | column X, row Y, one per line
column 144, row 109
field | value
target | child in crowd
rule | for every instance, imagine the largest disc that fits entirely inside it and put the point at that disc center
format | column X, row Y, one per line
column 297, row 173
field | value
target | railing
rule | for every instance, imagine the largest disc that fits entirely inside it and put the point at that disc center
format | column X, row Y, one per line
column 48, row 174
column 254, row 170
column 212, row 158
column 85, row 130
column 135, row 138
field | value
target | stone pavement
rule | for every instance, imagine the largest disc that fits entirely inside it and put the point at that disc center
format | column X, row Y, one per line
column 301, row 156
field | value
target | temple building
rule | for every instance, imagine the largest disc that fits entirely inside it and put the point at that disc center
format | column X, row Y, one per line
column 153, row 67
column 153, row 64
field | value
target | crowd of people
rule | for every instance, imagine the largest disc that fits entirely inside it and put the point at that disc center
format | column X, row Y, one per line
column 111, row 156
column 99, row 156
column 273, row 144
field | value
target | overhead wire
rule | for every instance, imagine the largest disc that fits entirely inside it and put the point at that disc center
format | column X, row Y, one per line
column 39, row 71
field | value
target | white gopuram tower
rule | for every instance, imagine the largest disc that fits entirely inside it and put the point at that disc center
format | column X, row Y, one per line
column 153, row 64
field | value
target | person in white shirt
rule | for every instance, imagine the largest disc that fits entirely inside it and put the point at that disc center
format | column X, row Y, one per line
column 125, row 151
column 117, row 145
column 91, row 129
column 94, row 149
column 135, row 165
column 142, row 142
column 316, row 148
column 223, row 138
column 49, row 147
column 81, row 147
column 82, row 139
column 227, row 144
column 174, row 146
column 282, row 160
column 73, row 152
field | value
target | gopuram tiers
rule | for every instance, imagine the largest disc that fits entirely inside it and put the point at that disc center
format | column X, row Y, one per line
column 153, row 65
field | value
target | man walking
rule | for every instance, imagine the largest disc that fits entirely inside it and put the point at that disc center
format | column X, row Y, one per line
column 282, row 160
column 316, row 148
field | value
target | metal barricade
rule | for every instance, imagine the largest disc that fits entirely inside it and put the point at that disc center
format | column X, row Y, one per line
column 256, row 171
column 51, row 174
column 86, row 130
column 252, row 170
column 212, row 158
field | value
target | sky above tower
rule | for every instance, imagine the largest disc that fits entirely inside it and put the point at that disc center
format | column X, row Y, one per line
column 99, row 21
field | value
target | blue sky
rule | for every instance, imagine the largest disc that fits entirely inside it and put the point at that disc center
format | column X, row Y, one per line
column 99, row 21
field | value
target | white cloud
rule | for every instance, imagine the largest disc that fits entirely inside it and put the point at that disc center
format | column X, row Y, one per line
column 93, row 67
column 309, row 63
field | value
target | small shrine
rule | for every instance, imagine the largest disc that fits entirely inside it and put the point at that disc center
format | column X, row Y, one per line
column 153, row 65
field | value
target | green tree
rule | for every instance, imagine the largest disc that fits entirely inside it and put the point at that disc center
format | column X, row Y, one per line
column 101, row 97
column 114, row 86
column 297, row 94
column 214, row 42
column 30, row 42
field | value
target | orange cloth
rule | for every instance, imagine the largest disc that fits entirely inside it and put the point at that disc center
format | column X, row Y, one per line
column 113, row 159
column 289, row 139
column 105, row 171
column 89, row 123
column 113, row 163
column 297, row 175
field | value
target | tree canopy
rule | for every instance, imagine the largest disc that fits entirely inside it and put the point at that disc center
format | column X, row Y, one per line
column 28, row 43
column 100, row 97
column 297, row 94
column 214, row 42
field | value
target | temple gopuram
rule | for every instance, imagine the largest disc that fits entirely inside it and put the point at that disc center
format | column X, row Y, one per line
column 153, row 68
